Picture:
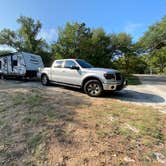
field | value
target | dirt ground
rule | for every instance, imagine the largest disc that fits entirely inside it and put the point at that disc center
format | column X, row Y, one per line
column 64, row 127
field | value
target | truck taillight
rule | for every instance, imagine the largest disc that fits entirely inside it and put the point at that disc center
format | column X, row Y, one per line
column 109, row 76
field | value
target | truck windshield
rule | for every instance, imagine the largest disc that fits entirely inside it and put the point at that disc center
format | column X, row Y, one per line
column 84, row 64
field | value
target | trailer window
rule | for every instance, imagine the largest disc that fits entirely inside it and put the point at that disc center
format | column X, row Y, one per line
column 15, row 62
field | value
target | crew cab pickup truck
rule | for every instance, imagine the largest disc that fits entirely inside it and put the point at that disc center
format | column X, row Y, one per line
column 79, row 73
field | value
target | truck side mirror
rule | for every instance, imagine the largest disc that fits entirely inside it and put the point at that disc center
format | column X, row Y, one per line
column 74, row 68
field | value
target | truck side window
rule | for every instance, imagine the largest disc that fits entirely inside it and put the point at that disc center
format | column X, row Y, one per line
column 69, row 64
column 0, row 64
column 58, row 64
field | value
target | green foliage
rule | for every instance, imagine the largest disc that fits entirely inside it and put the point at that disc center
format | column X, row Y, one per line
column 100, row 54
column 26, row 38
column 10, row 38
column 70, row 39
column 154, row 40
column 125, row 57
column 132, row 80
column 158, row 59
column 78, row 41
column 155, row 37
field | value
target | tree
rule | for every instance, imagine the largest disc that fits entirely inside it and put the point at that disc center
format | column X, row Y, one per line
column 100, row 53
column 154, row 42
column 123, row 51
column 29, row 34
column 26, row 38
column 158, row 59
column 72, row 40
column 10, row 38
column 155, row 37
column 78, row 41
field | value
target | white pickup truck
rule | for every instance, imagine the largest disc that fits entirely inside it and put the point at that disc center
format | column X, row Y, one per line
column 79, row 73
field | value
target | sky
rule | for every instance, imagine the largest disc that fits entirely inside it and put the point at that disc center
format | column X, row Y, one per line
column 131, row 16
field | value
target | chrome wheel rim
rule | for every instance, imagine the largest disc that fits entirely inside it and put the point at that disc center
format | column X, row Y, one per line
column 93, row 89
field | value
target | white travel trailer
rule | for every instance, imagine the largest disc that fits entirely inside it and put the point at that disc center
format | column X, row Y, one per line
column 20, row 64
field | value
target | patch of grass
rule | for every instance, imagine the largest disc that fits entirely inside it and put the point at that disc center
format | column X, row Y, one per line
column 122, row 163
column 34, row 99
column 18, row 99
column 6, row 128
column 127, row 133
column 132, row 80
column 31, row 99
column 144, row 120
column 31, row 119
column 34, row 140
column 1, row 123
column 2, row 110
column 62, row 135
column 152, row 156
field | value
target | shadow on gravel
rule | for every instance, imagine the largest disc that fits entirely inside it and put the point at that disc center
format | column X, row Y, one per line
column 134, row 96
column 127, row 95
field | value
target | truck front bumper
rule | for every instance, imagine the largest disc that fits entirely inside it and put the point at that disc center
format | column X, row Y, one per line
column 114, row 86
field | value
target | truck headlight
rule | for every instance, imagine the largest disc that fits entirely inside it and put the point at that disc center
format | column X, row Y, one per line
column 109, row 76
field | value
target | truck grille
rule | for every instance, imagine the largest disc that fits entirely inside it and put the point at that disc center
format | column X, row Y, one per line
column 118, row 76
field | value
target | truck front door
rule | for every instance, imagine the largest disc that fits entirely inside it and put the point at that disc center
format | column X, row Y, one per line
column 71, row 74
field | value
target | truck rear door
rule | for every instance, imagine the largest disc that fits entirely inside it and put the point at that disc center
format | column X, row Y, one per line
column 56, row 71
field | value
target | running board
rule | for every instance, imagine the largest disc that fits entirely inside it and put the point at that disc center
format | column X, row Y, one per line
column 66, row 84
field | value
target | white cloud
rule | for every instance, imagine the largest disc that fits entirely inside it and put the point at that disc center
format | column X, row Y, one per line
column 49, row 35
column 132, row 27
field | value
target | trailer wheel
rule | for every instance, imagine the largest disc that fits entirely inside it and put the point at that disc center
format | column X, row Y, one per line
column 44, row 80
column 1, row 76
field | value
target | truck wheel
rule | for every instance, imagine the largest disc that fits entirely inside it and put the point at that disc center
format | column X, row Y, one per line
column 44, row 80
column 93, row 88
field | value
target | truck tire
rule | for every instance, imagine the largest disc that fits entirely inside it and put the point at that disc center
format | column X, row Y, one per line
column 44, row 80
column 93, row 88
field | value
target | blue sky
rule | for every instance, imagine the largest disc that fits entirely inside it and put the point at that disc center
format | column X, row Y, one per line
column 131, row 16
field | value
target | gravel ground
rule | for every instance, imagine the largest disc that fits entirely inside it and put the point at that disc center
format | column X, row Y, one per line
column 152, row 91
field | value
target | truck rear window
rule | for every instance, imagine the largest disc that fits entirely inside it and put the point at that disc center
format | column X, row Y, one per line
column 58, row 64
